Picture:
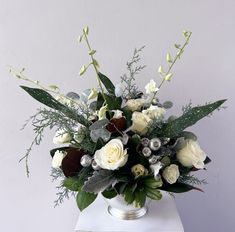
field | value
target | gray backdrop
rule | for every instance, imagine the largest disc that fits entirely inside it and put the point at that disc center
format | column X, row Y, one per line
column 41, row 36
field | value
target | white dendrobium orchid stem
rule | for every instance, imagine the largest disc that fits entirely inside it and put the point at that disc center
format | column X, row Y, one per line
column 156, row 168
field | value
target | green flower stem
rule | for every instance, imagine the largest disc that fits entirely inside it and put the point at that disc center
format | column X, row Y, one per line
column 176, row 58
column 21, row 76
column 179, row 53
column 93, row 63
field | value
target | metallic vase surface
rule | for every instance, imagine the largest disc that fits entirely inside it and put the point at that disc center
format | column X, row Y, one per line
column 117, row 207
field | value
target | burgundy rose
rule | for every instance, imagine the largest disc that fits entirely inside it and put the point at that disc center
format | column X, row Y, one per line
column 71, row 162
column 116, row 124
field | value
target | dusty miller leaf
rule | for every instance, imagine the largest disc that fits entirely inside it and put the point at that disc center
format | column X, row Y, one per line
column 100, row 180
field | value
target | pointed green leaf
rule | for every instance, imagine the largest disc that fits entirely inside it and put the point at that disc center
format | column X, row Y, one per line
column 73, row 183
column 188, row 119
column 154, row 194
column 107, row 83
column 109, row 194
column 48, row 100
column 179, row 188
column 84, row 199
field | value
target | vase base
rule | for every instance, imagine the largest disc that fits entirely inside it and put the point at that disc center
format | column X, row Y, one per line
column 127, row 215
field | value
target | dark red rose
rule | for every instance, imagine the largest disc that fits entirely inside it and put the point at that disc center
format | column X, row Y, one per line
column 116, row 123
column 71, row 162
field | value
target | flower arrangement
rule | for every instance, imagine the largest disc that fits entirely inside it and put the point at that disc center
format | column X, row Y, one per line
column 115, row 139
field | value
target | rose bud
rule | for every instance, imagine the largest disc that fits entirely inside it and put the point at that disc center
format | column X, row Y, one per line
column 71, row 162
column 116, row 124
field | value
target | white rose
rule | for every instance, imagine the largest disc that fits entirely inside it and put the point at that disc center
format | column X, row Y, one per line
column 151, row 87
column 140, row 123
column 155, row 112
column 111, row 156
column 135, row 104
column 171, row 173
column 61, row 137
column 57, row 158
column 191, row 155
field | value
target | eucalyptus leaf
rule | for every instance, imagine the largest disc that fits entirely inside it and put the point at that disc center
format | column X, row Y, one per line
column 179, row 144
column 167, row 104
column 188, row 135
column 84, row 199
column 102, row 133
column 73, row 95
column 99, row 124
column 99, row 181
column 193, row 115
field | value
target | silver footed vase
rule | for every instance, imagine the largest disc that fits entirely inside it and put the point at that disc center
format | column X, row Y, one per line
column 118, row 208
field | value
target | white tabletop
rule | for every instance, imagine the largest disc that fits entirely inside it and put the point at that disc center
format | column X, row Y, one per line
column 162, row 216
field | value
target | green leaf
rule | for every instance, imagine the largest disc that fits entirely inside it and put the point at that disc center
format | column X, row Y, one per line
column 114, row 103
column 150, row 182
column 154, row 194
column 99, row 181
column 84, row 199
column 128, row 195
column 48, row 100
column 140, row 198
column 109, row 193
column 188, row 119
column 107, row 83
column 73, row 183
column 179, row 188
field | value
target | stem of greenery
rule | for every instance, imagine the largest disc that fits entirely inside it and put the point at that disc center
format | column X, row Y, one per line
column 94, row 64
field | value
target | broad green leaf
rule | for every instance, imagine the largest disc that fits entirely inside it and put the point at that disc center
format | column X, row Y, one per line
column 84, row 199
column 128, row 195
column 114, row 103
column 107, row 83
column 154, row 194
column 179, row 188
column 188, row 119
column 73, row 183
column 48, row 100
column 150, row 182
column 99, row 181
column 140, row 198
column 109, row 193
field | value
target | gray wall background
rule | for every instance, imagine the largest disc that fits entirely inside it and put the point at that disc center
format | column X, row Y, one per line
column 41, row 36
